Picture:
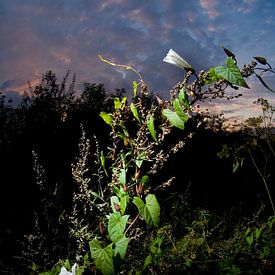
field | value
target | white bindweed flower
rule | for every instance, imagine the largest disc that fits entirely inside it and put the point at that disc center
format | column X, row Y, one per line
column 64, row 271
column 173, row 58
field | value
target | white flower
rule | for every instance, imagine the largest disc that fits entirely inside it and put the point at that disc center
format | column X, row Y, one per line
column 173, row 58
column 64, row 271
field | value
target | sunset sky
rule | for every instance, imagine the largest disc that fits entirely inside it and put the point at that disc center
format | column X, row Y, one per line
column 61, row 35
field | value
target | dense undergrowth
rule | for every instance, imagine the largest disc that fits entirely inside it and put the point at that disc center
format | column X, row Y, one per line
column 102, row 183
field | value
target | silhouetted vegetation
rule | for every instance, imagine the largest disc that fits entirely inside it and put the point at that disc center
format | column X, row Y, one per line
column 61, row 165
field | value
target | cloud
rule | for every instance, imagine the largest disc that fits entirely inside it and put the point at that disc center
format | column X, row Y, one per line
column 210, row 7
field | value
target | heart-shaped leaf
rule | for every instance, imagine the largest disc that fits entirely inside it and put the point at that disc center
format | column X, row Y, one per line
column 231, row 73
column 121, row 246
column 174, row 119
column 102, row 257
column 150, row 210
column 116, row 225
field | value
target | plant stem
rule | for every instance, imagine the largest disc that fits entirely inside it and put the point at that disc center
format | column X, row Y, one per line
column 264, row 181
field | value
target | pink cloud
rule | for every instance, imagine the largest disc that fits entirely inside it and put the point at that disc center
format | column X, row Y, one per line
column 210, row 7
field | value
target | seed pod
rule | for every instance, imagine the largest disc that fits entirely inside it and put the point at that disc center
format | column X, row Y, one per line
column 140, row 189
column 125, row 188
column 117, row 207
column 228, row 53
column 260, row 59
column 102, row 229
column 137, row 174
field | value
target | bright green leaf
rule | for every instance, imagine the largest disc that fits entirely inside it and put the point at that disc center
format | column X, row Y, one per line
column 106, row 117
column 102, row 257
column 135, row 85
column 231, row 73
column 135, row 111
column 122, row 176
column 150, row 210
column 151, row 127
column 179, row 111
column 121, row 246
column 123, row 203
column 116, row 225
column 117, row 103
column 212, row 76
column 183, row 99
column 173, row 118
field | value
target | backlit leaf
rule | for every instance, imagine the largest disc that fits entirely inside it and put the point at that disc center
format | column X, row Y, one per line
column 116, row 225
column 173, row 118
column 106, row 117
column 102, row 257
column 183, row 99
column 231, row 73
column 179, row 111
column 150, row 210
column 135, row 111
column 121, row 246
column 151, row 127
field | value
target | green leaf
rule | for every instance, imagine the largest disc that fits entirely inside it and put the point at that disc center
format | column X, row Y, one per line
column 135, row 85
column 212, row 76
column 102, row 161
column 114, row 199
column 135, row 111
column 147, row 262
column 249, row 240
column 102, row 257
column 231, row 73
column 117, row 103
column 183, row 99
column 150, row 210
column 116, row 225
column 258, row 232
column 121, row 246
column 173, row 118
column 140, row 158
column 106, row 117
column 145, row 180
column 179, row 111
column 151, row 127
column 122, row 176
column 123, row 203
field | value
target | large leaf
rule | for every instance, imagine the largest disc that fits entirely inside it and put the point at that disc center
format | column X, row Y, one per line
column 179, row 111
column 150, row 210
column 102, row 257
column 121, row 246
column 116, row 226
column 106, row 117
column 231, row 73
column 151, row 127
column 173, row 118
column 135, row 111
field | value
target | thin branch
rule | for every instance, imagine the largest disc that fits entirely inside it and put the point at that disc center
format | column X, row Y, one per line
column 263, row 179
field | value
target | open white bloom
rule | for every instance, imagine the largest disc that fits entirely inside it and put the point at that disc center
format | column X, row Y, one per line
column 64, row 271
column 173, row 58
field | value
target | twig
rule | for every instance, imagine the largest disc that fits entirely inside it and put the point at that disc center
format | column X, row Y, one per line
column 263, row 179
column 132, row 223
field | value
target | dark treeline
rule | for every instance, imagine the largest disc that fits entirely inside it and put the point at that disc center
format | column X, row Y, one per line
column 48, row 124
